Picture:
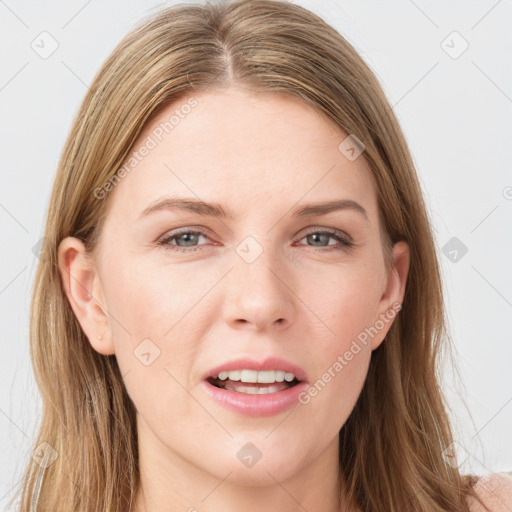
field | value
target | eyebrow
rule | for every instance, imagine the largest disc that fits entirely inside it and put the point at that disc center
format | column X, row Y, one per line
column 217, row 210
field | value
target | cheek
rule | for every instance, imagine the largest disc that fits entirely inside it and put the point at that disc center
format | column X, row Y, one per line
column 344, row 306
column 345, row 300
column 151, row 300
column 151, row 318
column 154, row 344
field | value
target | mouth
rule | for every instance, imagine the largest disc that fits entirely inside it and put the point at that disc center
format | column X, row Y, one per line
column 256, row 388
column 254, row 383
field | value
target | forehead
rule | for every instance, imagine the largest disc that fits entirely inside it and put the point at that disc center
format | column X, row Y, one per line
column 246, row 150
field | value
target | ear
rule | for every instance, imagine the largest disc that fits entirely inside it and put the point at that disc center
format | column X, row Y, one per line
column 83, row 289
column 393, row 296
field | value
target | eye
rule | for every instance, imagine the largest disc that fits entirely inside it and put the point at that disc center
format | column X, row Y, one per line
column 186, row 240
column 323, row 236
column 186, row 236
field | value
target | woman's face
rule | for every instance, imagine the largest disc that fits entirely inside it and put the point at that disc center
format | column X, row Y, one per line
column 188, row 290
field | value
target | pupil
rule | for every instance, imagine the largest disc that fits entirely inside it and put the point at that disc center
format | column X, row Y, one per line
column 186, row 236
column 316, row 236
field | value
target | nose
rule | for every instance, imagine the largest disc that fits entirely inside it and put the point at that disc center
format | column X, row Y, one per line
column 259, row 295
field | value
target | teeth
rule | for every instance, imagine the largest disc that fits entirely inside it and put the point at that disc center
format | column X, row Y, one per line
column 265, row 377
column 259, row 391
column 255, row 390
column 249, row 376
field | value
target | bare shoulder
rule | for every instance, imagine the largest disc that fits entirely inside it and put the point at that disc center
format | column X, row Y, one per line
column 495, row 490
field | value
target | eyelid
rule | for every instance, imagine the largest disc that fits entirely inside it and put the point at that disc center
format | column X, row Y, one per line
column 205, row 231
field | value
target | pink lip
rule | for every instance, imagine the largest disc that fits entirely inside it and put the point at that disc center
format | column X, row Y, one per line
column 257, row 405
column 271, row 363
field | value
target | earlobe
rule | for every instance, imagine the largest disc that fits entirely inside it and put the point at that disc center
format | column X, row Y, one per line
column 393, row 296
column 84, row 292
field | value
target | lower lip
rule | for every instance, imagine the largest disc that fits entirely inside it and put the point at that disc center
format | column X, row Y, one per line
column 256, row 405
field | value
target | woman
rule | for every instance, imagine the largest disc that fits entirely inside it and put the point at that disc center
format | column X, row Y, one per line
column 240, row 305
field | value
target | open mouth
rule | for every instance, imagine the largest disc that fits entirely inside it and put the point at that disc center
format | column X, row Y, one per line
column 251, row 388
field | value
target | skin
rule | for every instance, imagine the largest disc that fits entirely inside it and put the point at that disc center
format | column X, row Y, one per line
column 495, row 490
column 261, row 157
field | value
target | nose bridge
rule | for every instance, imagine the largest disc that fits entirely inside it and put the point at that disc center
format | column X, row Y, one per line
column 258, row 288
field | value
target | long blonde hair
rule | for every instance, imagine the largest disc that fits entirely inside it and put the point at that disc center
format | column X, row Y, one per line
column 392, row 445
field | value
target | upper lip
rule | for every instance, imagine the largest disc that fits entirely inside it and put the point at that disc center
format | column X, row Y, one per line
column 271, row 363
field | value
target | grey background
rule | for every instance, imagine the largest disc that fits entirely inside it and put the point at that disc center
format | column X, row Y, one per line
column 455, row 112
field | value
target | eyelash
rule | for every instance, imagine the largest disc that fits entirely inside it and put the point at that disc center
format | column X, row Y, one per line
column 344, row 242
